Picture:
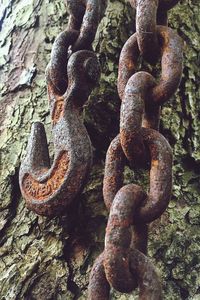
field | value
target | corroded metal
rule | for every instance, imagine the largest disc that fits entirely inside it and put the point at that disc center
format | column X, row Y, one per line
column 72, row 73
column 84, row 17
column 158, row 11
column 49, row 188
column 56, row 71
column 118, row 237
column 163, row 4
column 160, row 167
column 123, row 265
column 146, row 14
column 99, row 288
column 171, row 64
column 140, row 267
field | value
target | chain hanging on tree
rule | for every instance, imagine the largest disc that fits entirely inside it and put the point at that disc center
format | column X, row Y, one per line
column 72, row 73
column 123, row 265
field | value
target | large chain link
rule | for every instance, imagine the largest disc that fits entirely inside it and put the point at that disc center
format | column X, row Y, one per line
column 72, row 73
column 123, row 265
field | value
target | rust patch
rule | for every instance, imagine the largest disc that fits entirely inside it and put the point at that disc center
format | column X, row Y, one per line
column 58, row 110
column 122, row 265
column 154, row 163
column 43, row 190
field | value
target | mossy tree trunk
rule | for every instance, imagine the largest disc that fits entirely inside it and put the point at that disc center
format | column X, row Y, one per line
column 44, row 258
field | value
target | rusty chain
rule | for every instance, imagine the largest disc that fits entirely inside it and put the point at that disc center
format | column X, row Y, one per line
column 71, row 75
column 123, row 265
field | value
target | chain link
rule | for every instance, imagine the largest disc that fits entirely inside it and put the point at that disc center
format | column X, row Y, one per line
column 123, row 265
column 71, row 75
column 84, row 17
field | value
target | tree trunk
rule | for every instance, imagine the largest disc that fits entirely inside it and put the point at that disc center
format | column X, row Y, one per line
column 44, row 258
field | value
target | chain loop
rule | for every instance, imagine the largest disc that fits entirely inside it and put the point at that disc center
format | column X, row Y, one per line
column 161, row 164
column 171, row 64
column 119, row 236
column 141, row 268
column 56, row 71
column 149, row 14
column 123, row 264
column 84, row 17
column 146, row 12
column 49, row 189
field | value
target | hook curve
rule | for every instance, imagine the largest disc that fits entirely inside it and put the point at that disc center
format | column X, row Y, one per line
column 49, row 189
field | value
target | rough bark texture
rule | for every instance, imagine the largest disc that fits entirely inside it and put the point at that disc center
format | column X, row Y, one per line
column 45, row 258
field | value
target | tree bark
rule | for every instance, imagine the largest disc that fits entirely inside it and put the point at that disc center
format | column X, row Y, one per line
column 44, row 258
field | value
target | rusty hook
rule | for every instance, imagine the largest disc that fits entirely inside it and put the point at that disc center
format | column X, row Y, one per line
column 49, row 189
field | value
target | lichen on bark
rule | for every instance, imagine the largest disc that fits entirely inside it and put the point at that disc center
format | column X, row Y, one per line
column 45, row 258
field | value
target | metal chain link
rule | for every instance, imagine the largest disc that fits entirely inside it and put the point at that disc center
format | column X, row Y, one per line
column 49, row 188
column 71, row 74
column 123, row 265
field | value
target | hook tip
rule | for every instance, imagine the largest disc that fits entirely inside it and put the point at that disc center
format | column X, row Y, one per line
column 37, row 149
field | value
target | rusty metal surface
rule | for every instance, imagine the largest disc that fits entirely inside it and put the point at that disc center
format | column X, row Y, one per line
column 146, row 14
column 72, row 73
column 141, row 268
column 148, row 280
column 171, row 64
column 99, row 288
column 49, row 189
column 149, row 14
column 160, row 167
column 84, row 17
column 123, row 265
column 113, row 174
column 118, row 237
column 133, row 104
column 163, row 4
column 128, row 62
column 56, row 71
column 158, row 12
